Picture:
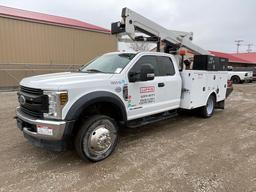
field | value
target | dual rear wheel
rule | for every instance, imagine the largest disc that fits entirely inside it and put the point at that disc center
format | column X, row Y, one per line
column 208, row 110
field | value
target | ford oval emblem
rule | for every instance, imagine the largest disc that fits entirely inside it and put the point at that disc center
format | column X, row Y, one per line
column 22, row 100
column 118, row 89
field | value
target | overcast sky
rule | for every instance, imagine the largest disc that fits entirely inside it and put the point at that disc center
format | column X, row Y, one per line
column 216, row 24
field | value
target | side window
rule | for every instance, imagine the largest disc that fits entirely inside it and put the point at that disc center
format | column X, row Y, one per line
column 146, row 60
column 165, row 66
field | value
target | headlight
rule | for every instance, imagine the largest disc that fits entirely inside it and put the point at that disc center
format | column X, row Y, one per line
column 57, row 100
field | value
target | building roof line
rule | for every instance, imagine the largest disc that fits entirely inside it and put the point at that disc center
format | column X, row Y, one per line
column 37, row 17
column 54, row 24
column 234, row 58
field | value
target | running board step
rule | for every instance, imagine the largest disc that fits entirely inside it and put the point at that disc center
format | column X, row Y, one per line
column 151, row 119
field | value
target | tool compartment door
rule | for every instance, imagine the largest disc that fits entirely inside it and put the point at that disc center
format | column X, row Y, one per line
column 198, row 85
column 221, row 84
column 193, row 89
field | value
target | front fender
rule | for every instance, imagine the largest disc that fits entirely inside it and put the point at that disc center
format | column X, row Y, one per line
column 94, row 97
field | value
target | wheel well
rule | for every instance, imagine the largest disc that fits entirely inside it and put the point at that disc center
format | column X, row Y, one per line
column 103, row 108
column 215, row 96
column 235, row 76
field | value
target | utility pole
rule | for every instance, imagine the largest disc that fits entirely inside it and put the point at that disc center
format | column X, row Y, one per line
column 238, row 44
column 249, row 45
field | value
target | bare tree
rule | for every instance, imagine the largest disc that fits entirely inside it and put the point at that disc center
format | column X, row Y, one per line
column 139, row 46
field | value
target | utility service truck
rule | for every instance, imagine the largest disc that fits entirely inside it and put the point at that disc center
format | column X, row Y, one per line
column 86, row 109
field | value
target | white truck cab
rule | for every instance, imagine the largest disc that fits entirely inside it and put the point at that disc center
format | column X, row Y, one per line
column 86, row 108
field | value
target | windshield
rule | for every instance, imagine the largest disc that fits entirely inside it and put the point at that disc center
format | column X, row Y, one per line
column 113, row 63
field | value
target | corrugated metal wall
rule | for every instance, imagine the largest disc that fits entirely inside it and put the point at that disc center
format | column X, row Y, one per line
column 29, row 44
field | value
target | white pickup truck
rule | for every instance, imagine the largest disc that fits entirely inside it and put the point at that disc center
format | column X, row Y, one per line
column 240, row 76
column 86, row 108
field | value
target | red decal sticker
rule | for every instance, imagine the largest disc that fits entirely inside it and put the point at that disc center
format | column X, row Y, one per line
column 147, row 89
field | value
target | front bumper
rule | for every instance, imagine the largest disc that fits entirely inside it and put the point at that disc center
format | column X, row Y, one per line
column 48, row 134
column 248, row 79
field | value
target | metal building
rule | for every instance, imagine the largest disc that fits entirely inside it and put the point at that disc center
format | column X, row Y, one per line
column 34, row 43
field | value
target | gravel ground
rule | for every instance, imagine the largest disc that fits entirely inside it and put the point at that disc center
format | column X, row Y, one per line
column 185, row 153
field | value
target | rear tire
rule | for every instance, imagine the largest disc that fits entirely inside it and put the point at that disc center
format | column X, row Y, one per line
column 97, row 138
column 208, row 110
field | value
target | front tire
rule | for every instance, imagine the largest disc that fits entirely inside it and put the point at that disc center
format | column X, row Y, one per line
column 208, row 110
column 97, row 138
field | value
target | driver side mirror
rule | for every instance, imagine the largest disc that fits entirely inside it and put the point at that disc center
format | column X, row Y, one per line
column 146, row 74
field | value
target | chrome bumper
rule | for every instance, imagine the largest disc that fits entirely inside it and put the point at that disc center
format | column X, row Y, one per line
column 57, row 127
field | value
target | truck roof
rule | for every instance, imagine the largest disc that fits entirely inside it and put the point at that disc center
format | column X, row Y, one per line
column 140, row 52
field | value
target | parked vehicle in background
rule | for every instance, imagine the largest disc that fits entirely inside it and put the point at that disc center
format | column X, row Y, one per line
column 240, row 76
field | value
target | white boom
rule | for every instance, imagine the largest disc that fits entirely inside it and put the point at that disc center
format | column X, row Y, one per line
column 133, row 23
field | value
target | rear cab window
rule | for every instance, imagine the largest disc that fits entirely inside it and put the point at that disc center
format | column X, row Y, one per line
column 163, row 65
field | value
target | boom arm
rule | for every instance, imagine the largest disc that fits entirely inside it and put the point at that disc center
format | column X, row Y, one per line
column 133, row 22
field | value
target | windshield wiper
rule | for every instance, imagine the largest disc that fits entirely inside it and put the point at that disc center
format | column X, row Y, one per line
column 93, row 70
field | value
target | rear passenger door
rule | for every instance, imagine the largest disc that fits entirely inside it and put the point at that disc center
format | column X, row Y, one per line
column 168, row 91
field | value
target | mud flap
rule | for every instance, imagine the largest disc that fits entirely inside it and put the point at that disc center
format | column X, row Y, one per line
column 220, row 105
column 229, row 91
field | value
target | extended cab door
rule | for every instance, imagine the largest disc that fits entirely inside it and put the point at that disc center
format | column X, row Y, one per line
column 154, row 96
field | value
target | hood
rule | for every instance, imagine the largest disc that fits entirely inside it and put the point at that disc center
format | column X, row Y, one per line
column 55, row 81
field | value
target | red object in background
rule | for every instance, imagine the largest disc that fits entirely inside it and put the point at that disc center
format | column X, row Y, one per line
column 229, row 88
column 239, row 58
column 182, row 52
column 249, row 57
column 229, row 83
column 45, row 18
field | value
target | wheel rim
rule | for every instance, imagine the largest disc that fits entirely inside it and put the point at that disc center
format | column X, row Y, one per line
column 100, row 140
column 235, row 80
column 210, row 106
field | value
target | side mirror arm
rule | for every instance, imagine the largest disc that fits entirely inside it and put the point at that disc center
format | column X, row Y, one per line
column 133, row 77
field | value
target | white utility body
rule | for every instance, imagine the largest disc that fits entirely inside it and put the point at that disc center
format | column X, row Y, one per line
column 197, row 85
column 86, row 108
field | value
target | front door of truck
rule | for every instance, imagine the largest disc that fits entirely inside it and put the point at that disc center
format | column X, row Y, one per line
column 154, row 96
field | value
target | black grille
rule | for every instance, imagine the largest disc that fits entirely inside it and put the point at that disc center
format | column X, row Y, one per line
column 32, row 91
column 36, row 103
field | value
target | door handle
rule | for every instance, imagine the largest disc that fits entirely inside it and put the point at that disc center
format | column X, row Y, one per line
column 160, row 84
